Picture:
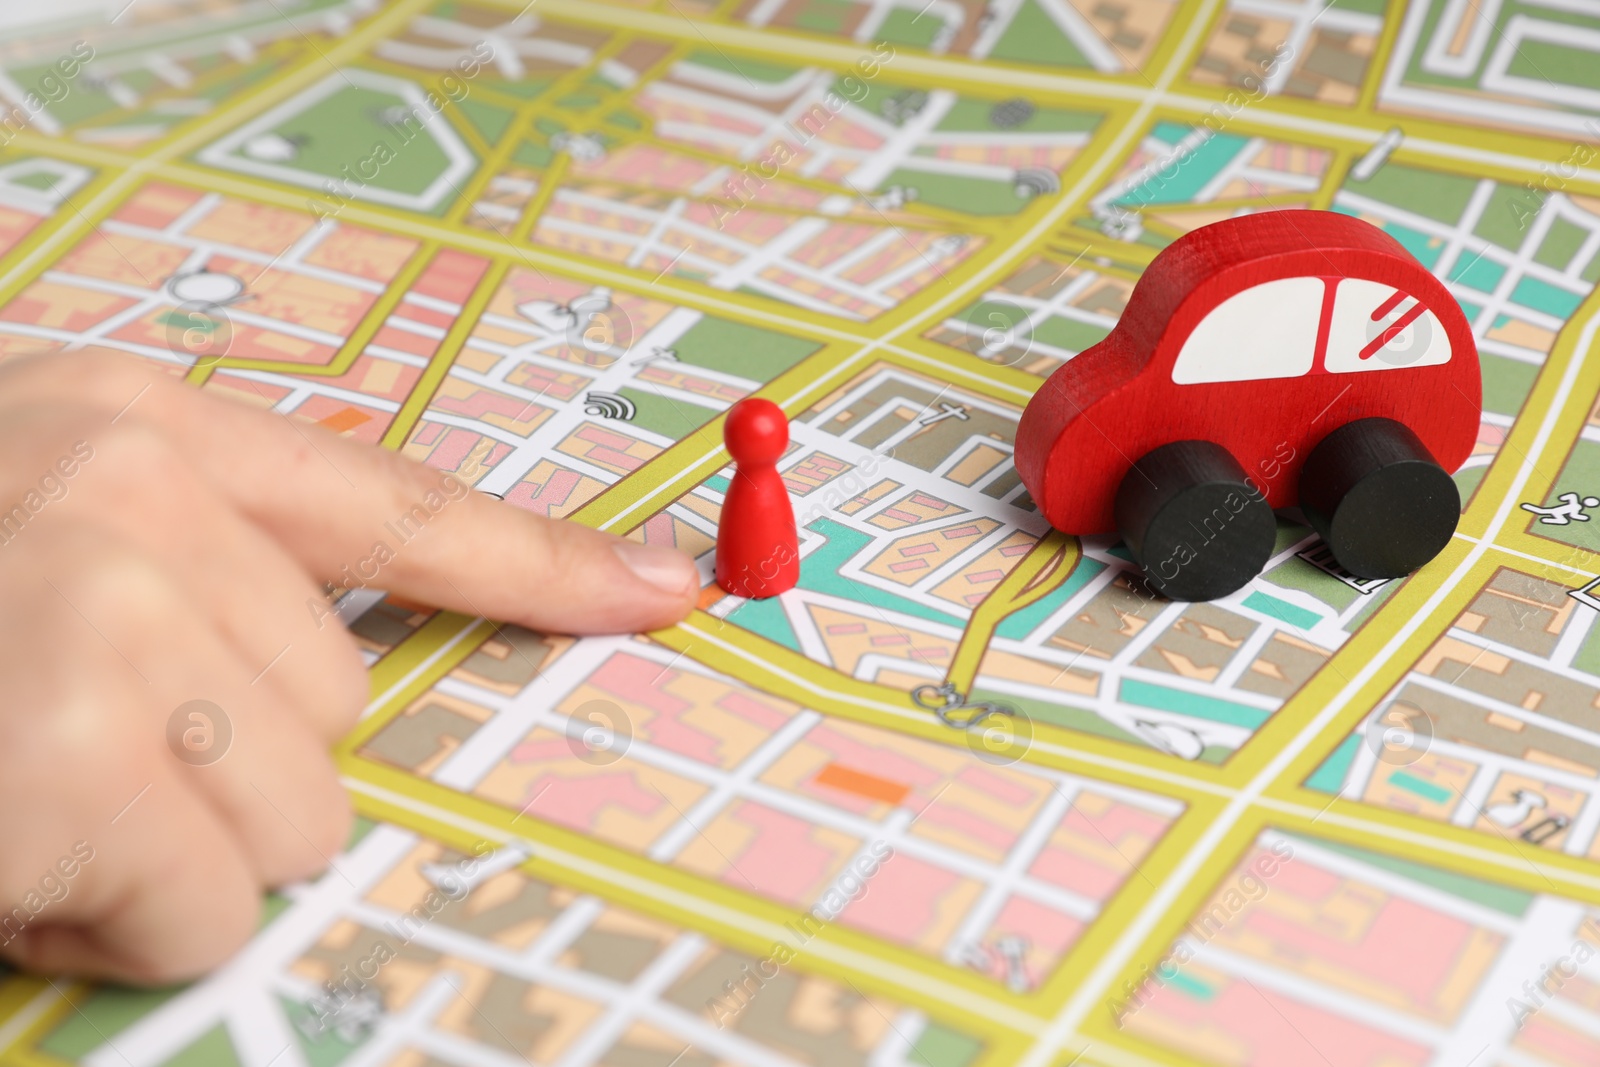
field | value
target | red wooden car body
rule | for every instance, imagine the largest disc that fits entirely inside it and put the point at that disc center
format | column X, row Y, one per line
column 1262, row 334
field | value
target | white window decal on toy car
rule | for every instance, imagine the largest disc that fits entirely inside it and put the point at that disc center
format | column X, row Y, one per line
column 1379, row 327
column 1266, row 331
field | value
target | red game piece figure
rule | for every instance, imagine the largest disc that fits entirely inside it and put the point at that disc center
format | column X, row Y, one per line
column 1270, row 360
column 758, row 551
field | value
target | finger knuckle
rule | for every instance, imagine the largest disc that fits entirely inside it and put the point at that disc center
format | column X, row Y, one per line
column 133, row 449
column 118, row 589
column 134, row 473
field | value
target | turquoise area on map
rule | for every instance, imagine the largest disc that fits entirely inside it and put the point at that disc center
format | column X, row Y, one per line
column 1542, row 296
column 1426, row 249
column 1194, row 169
column 1170, row 132
column 1020, row 624
column 765, row 618
column 1162, row 698
column 1329, row 778
column 1426, row 790
column 820, row 573
column 1282, row 610
column 1478, row 273
column 1190, row 986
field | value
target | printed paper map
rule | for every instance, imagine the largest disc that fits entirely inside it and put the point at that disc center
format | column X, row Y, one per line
column 969, row 796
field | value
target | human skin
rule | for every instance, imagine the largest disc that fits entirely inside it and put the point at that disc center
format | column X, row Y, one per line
column 184, row 560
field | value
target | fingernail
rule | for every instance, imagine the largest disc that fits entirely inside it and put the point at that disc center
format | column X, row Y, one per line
column 665, row 568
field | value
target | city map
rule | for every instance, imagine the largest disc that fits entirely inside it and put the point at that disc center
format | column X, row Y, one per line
column 971, row 795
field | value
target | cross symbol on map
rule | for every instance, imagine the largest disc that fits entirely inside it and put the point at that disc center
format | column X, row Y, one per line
column 949, row 411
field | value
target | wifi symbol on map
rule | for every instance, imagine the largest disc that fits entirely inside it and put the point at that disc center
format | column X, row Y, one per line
column 609, row 406
column 1036, row 181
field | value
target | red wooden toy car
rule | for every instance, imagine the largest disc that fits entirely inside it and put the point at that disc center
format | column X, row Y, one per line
column 1280, row 358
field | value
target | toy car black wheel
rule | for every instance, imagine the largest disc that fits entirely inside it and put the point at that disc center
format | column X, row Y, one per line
column 1193, row 521
column 1378, row 498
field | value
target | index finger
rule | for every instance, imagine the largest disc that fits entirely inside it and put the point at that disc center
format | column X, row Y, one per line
column 354, row 514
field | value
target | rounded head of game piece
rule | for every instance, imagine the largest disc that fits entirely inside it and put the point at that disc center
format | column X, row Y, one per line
column 757, row 431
